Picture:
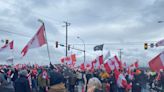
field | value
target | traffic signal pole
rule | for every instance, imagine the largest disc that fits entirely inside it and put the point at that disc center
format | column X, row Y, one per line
column 66, row 47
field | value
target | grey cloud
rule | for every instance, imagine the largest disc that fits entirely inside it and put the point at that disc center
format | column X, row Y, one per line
column 95, row 21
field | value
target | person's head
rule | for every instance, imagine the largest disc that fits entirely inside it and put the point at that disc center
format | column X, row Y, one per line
column 94, row 83
column 23, row 73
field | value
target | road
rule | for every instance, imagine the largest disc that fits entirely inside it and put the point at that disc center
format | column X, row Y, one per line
column 9, row 88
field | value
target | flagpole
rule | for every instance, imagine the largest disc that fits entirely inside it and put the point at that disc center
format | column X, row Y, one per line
column 46, row 40
column 13, row 56
column 103, row 49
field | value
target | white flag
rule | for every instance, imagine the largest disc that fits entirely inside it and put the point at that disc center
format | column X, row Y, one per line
column 160, row 43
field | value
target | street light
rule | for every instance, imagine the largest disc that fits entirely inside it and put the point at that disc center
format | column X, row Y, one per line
column 84, row 46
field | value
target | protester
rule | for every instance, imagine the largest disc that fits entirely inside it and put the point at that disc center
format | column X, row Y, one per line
column 94, row 85
column 112, row 82
column 34, row 83
column 87, row 76
column 22, row 83
column 43, row 81
column 15, row 75
column 136, row 83
column 121, row 85
column 162, row 79
column 104, row 77
column 143, row 80
column 79, row 80
column 72, row 82
column 56, row 81
column 2, row 77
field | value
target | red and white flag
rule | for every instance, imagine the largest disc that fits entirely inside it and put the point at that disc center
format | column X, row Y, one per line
column 134, row 65
column 93, row 64
column 7, row 47
column 73, row 58
column 109, row 65
column 157, row 63
column 70, row 60
column 107, row 55
column 37, row 41
column 160, row 43
column 99, row 61
column 62, row 60
column 112, row 64
column 120, row 78
column 88, row 66
column 82, row 67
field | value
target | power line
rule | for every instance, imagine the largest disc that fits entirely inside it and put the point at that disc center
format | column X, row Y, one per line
column 106, row 43
column 20, row 34
column 114, row 43
column 14, row 33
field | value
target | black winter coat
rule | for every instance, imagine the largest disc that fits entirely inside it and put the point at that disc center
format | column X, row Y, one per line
column 22, row 85
column 56, row 78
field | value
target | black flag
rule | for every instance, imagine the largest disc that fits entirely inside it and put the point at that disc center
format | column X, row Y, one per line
column 98, row 47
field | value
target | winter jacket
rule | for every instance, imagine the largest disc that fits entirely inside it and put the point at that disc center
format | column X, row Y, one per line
column 22, row 85
column 56, row 78
column 42, row 82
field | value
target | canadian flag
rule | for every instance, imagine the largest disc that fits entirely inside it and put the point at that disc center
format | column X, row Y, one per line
column 88, row 66
column 37, row 41
column 82, row 67
column 70, row 60
column 120, row 78
column 112, row 63
column 134, row 65
column 99, row 61
column 73, row 58
column 157, row 63
column 62, row 60
column 160, row 43
column 93, row 64
column 107, row 55
column 7, row 47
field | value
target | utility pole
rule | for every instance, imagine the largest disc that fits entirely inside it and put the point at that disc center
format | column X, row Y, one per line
column 84, row 47
column 66, row 25
column 120, row 52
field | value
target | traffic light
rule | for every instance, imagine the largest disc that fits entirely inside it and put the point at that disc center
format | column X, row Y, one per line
column 145, row 46
column 7, row 41
column 69, row 47
column 152, row 45
column 57, row 43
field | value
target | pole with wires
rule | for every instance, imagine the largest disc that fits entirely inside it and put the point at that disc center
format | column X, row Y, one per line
column 66, row 25
column 120, row 53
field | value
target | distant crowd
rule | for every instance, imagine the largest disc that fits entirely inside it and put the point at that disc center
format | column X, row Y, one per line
column 60, row 78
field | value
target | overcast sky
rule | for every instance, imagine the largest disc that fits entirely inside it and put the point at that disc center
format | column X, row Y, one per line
column 119, row 24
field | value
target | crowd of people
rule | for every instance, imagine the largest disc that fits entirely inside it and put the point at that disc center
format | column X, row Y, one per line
column 60, row 78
